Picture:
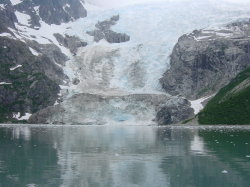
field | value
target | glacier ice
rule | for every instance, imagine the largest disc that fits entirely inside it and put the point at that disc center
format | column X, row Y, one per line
column 154, row 29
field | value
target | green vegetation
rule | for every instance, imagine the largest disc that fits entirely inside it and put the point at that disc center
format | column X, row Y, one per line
column 187, row 121
column 231, row 105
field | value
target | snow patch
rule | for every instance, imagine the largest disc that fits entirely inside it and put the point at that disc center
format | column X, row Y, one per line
column 37, row 9
column 4, row 83
column 44, row 34
column 2, row 6
column 15, row 2
column 224, row 35
column 201, row 38
column 25, row 117
column 66, row 6
column 197, row 104
column 18, row 66
column 56, row 103
column 22, row 18
column 33, row 51
column 5, row 34
column 19, row 117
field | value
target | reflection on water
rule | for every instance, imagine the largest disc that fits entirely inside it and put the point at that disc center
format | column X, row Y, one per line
column 131, row 156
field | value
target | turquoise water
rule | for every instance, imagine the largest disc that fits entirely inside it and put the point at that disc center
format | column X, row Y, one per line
column 124, row 156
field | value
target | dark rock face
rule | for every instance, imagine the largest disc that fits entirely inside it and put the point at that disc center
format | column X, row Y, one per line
column 50, row 55
column 174, row 113
column 7, row 16
column 32, row 80
column 71, row 42
column 49, row 11
column 76, row 81
column 104, row 31
column 50, row 50
column 56, row 12
column 205, row 61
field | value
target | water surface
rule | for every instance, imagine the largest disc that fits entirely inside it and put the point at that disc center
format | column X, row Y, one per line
column 124, row 156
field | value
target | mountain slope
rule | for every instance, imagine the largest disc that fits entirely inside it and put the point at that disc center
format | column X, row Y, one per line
column 32, row 70
column 231, row 105
column 206, row 60
column 27, row 82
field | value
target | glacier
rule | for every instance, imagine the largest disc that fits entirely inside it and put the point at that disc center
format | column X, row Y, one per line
column 154, row 29
column 129, row 69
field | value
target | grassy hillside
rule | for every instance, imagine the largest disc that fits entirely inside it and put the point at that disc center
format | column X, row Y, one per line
column 231, row 105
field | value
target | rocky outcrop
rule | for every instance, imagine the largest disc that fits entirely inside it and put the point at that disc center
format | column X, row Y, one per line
column 53, row 60
column 51, row 12
column 30, row 8
column 28, row 83
column 105, row 109
column 204, row 61
column 103, row 31
column 174, row 112
column 60, row 11
column 50, row 50
column 7, row 16
column 70, row 42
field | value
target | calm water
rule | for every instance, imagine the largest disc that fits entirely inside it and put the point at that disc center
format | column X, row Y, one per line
column 131, row 156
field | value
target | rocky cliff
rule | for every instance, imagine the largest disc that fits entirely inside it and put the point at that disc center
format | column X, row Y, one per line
column 27, row 82
column 51, row 12
column 103, row 31
column 7, row 16
column 70, row 42
column 204, row 61
column 30, row 70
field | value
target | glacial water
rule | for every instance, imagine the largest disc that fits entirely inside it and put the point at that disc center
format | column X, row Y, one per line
column 124, row 156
